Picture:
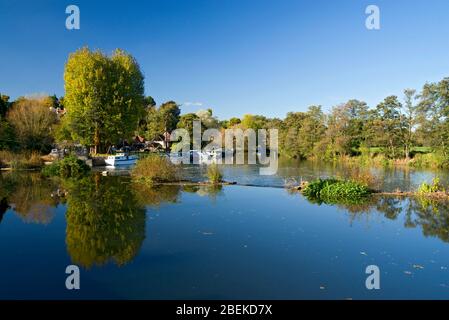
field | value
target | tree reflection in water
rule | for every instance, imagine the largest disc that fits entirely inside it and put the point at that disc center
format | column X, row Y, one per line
column 32, row 197
column 432, row 216
column 106, row 215
column 211, row 191
column 105, row 222
column 106, row 218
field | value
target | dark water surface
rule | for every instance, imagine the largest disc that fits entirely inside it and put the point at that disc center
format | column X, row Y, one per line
column 231, row 242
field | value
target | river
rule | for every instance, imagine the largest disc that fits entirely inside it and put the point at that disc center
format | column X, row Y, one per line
column 230, row 242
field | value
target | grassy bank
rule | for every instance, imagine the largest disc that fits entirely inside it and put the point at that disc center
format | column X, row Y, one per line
column 20, row 160
column 434, row 160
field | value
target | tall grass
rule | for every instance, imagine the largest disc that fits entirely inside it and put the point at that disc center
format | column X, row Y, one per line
column 155, row 169
column 430, row 160
column 362, row 175
column 214, row 174
column 20, row 160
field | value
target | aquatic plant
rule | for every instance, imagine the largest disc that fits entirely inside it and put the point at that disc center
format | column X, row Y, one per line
column 214, row 174
column 69, row 167
column 336, row 191
column 314, row 188
column 155, row 169
column 344, row 191
column 435, row 187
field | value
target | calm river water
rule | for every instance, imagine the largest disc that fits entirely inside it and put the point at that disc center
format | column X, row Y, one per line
column 232, row 242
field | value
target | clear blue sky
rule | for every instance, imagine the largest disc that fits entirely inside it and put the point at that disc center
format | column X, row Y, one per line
column 235, row 56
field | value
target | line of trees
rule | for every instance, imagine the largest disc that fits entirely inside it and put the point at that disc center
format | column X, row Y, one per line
column 392, row 128
column 105, row 103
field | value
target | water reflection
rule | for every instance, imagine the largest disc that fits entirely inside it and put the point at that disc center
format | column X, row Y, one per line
column 106, row 216
column 105, row 222
column 30, row 195
column 147, row 195
column 432, row 216
column 211, row 191
column 389, row 178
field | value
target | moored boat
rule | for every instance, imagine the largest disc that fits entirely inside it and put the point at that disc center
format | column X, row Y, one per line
column 120, row 159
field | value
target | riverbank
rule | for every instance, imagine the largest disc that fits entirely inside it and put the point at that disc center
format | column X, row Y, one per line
column 429, row 160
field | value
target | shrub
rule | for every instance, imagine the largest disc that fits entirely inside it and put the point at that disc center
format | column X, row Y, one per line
column 31, row 119
column 155, row 169
column 426, row 188
column 314, row 188
column 51, row 170
column 336, row 191
column 344, row 190
column 69, row 167
column 214, row 174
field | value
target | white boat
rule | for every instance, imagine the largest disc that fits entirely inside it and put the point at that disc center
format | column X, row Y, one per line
column 120, row 159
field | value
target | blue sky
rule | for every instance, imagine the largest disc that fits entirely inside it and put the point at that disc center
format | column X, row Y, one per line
column 235, row 56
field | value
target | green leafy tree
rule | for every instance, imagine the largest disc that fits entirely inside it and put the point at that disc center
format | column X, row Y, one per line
column 345, row 129
column 186, row 122
column 162, row 119
column 433, row 115
column 410, row 119
column 104, row 97
column 387, row 126
column 234, row 121
column 289, row 136
column 254, row 122
column 33, row 122
column 4, row 104
column 149, row 102
column 7, row 135
column 311, row 131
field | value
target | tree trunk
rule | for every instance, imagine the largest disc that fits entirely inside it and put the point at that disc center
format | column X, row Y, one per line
column 97, row 140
